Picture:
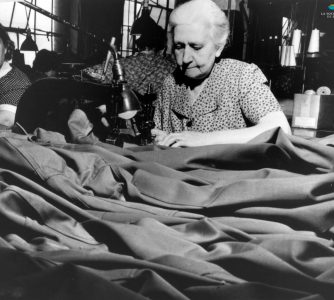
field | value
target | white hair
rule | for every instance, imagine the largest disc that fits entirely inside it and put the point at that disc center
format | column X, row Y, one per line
column 202, row 11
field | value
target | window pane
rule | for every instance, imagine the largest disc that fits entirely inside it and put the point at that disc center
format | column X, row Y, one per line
column 6, row 11
column 38, row 22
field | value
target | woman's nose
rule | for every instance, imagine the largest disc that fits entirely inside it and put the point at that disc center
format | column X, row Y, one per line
column 187, row 57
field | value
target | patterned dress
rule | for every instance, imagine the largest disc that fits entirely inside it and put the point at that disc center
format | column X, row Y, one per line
column 12, row 87
column 147, row 68
column 234, row 96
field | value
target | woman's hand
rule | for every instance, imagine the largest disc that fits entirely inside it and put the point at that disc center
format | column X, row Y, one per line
column 158, row 135
column 183, row 139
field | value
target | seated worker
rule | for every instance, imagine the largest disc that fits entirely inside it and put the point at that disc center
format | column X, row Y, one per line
column 45, row 64
column 148, row 66
column 210, row 100
column 13, row 82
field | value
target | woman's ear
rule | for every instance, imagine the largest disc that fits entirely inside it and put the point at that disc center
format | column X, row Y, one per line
column 221, row 44
column 219, row 50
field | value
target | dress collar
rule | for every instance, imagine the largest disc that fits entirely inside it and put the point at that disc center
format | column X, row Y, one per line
column 206, row 101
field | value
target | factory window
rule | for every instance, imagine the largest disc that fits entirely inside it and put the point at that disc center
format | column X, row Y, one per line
column 159, row 12
column 17, row 18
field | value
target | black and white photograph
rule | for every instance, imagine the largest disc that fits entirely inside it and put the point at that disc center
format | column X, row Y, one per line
column 167, row 149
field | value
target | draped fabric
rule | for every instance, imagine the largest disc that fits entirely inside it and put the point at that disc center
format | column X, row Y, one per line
column 94, row 221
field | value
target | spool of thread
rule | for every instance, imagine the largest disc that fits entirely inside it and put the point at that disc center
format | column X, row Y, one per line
column 290, row 57
column 323, row 90
column 283, row 54
column 313, row 46
column 296, row 37
column 309, row 92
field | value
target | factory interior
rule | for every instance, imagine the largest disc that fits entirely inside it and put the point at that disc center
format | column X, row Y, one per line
column 167, row 149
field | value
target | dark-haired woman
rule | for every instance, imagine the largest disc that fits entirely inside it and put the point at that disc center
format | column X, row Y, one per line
column 13, row 82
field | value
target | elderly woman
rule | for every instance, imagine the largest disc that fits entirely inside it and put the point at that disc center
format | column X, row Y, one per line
column 209, row 100
column 13, row 82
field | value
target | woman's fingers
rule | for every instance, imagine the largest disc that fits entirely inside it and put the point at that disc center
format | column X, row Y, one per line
column 178, row 144
column 182, row 139
column 176, row 139
column 158, row 135
column 171, row 139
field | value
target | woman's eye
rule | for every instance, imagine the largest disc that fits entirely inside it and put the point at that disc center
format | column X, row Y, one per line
column 178, row 46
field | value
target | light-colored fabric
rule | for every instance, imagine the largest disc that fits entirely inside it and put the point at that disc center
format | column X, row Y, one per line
column 234, row 95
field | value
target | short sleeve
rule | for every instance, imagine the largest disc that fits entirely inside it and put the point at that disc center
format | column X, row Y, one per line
column 12, row 87
column 256, row 99
column 162, row 118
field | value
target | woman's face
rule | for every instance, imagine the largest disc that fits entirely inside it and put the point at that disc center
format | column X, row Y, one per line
column 195, row 50
column 2, row 53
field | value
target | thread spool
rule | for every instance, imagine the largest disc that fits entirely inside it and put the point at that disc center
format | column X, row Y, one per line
column 313, row 46
column 310, row 92
column 283, row 54
column 296, row 37
column 291, row 58
column 323, row 90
